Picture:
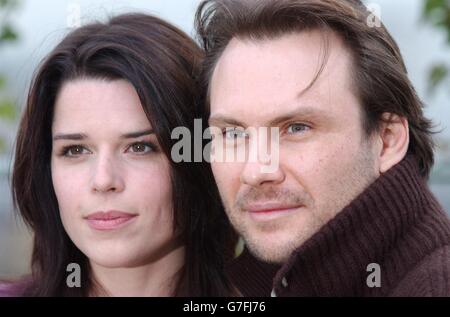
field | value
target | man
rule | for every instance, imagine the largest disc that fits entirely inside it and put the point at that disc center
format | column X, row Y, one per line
column 347, row 212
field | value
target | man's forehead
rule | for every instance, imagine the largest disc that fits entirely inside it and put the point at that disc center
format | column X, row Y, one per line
column 262, row 92
column 305, row 51
column 269, row 117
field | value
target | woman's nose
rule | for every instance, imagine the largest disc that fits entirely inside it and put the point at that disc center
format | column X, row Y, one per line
column 107, row 176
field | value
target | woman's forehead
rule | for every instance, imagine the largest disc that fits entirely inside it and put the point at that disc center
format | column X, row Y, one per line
column 94, row 105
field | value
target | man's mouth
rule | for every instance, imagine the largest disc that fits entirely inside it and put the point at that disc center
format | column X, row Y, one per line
column 266, row 211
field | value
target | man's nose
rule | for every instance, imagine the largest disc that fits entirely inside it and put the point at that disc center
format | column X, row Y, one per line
column 106, row 175
column 258, row 168
column 254, row 175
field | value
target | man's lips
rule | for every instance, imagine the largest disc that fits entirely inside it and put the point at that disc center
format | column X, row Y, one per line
column 270, row 211
column 270, row 207
column 109, row 220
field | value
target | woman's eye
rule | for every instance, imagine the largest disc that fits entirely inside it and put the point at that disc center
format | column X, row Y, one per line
column 73, row 150
column 297, row 128
column 234, row 133
column 141, row 147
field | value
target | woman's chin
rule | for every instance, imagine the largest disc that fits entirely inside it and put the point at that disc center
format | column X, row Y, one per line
column 115, row 262
column 113, row 259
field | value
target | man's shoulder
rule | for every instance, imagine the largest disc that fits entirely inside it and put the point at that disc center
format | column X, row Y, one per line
column 430, row 277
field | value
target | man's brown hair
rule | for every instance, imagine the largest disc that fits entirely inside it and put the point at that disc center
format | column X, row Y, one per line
column 379, row 73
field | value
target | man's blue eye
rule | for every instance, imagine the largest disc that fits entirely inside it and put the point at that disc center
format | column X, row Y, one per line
column 297, row 128
column 234, row 133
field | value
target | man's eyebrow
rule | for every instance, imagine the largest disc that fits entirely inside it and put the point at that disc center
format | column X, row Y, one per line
column 306, row 112
column 82, row 136
column 303, row 112
column 221, row 119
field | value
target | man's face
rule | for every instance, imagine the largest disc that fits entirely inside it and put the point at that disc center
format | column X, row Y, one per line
column 325, row 159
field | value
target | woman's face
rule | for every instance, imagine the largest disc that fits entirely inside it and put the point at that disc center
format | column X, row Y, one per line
column 110, row 177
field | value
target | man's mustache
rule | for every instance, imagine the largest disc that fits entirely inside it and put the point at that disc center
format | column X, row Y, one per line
column 272, row 194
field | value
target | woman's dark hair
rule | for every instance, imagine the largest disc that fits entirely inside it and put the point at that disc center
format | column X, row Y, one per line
column 162, row 63
column 379, row 73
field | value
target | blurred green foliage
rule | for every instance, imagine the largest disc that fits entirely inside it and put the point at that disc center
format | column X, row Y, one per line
column 8, row 110
column 437, row 13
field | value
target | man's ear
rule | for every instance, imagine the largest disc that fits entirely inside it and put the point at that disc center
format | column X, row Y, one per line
column 393, row 135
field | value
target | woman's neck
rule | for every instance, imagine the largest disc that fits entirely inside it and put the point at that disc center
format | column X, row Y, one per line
column 157, row 278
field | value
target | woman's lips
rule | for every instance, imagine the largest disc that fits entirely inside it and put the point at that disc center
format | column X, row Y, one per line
column 109, row 220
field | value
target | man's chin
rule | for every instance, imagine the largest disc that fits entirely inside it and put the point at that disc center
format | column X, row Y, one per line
column 268, row 252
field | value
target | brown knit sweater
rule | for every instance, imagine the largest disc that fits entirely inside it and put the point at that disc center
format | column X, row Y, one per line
column 396, row 222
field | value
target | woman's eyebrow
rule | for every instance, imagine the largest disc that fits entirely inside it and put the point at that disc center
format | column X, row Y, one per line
column 72, row 136
column 133, row 135
column 82, row 136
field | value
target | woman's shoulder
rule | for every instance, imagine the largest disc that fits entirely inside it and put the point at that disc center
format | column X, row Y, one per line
column 13, row 289
column 6, row 289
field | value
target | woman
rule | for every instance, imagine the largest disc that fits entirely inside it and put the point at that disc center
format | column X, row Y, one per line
column 93, row 175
